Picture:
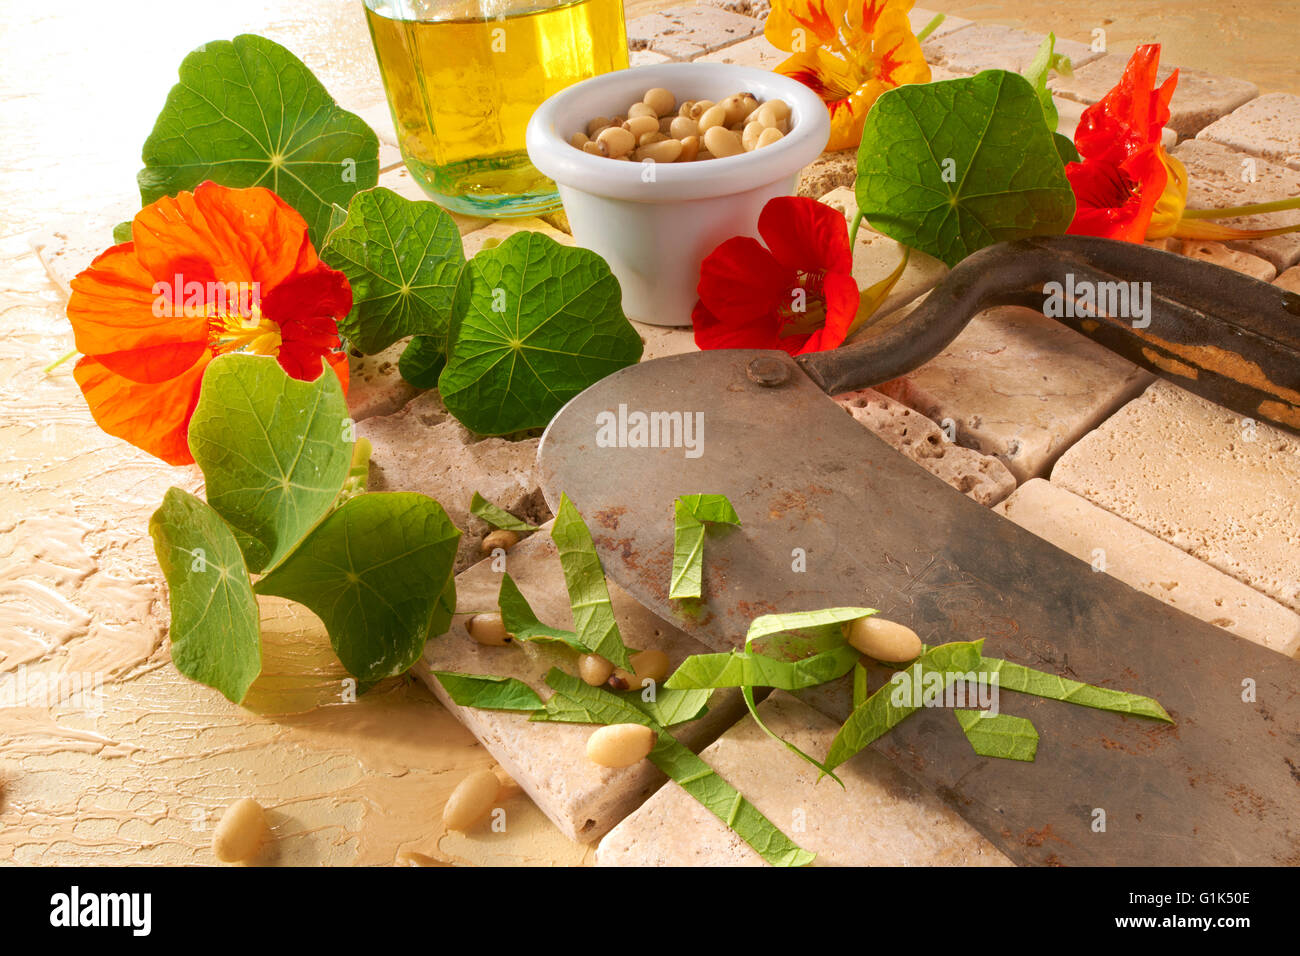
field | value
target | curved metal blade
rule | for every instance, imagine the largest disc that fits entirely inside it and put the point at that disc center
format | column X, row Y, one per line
column 833, row 516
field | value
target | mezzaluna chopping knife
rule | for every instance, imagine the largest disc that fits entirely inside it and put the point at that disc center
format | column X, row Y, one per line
column 872, row 528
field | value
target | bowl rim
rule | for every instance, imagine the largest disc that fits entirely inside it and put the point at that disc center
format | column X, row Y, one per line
column 549, row 150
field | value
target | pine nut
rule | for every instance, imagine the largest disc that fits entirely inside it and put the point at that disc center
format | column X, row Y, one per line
column 595, row 148
column 722, row 142
column 488, row 629
column 578, row 140
column 640, row 125
column 749, row 138
column 713, row 116
column 884, row 640
column 642, row 109
column 620, row 745
column 660, row 100
column 596, row 125
column 471, row 800
column 619, row 142
column 690, row 149
column 242, row 831
column 699, row 107
column 651, row 138
column 683, row 126
column 768, row 137
column 664, row 151
column 500, row 538
column 594, row 669
column 646, row 665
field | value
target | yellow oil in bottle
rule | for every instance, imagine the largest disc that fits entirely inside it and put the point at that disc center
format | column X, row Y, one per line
column 464, row 76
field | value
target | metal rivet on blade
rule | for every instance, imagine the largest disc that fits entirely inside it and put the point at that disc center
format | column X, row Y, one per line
column 768, row 371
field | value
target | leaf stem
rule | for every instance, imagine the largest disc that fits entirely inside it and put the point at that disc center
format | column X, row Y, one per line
column 853, row 231
column 930, row 27
column 1251, row 209
column 57, row 362
column 359, row 473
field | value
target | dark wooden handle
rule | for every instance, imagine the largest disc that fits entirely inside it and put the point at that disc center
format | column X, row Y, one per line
column 1225, row 336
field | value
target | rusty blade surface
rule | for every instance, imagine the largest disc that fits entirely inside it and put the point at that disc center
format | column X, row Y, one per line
column 870, row 527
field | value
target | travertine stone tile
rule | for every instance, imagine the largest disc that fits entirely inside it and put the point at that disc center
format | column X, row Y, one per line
column 502, row 229
column 756, row 52
column 1199, row 99
column 375, row 385
column 67, row 247
column 686, row 32
column 1020, row 386
column 1220, row 487
column 1220, row 255
column 1220, row 177
column 991, row 46
column 664, row 340
column 758, row 9
column 1154, row 567
column 979, row 477
column 646, row 58
column 875, row 256
column 881, row 818
column 1290, row 279
column 549, row 761
column 1268, row 126
column 829, row 171
column 423, row 448
column 399, row 181
column 380, row 118
column 919, row 17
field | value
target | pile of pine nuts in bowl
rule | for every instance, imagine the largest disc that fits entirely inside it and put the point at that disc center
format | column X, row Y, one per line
column 652, row 210
column 660, row 129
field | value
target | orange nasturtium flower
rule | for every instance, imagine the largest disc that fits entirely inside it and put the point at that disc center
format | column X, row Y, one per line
column 848, row 52
column 213, row 271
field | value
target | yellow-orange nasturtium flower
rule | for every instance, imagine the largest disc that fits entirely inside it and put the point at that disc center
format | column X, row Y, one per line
column 848, row 52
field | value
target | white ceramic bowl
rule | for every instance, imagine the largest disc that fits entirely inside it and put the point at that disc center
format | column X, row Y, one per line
column 654, row 234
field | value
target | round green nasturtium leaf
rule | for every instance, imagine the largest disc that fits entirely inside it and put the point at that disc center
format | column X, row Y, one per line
column 215, row 633
column 378, row 573
column 247, row 112
column 274, row 451
column 423, row 359
column 535, row 323
column 951, row 167
column 401, row 258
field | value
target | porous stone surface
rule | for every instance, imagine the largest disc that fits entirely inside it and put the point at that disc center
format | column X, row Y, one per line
column 1268, row 126
column 756, row 52
column 1216, row 485
column 758, row 9
column 991, row 46
column 1207, row 250
column 549, row 760
column 1220, row 177
column 375, row 386
column 880, row 818
column 685, row 32
column 664, row 340
column 919, row 18
column 423, row 448
column 1019, row 386
column 1290, row 279
column 979, row 477
column 68, row 247
column 1199, row 99
column 502, row 229
column 1141, row 560
column 876, row 256
column 646, row 58
column 829, row 172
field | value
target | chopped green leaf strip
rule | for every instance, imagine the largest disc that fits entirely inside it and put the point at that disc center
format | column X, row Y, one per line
column 954, row 166
column 1026, row 680
column 122, row 232
column 691, row 513
column 215, row 628
column 738, row 669
column 535, row 323
column 489, row 692
column 480, row 507
column 247, row 112
column 375, row 572
column 859, row 685
column 999, row 735
column 518, row 617
column 1044, row 62
column 748, row 694
column 575, row 701
column 669, row 707
column 593, row 614
column 795, row 635
column 879, row 713
column 581, row 703
column 274, row 451
column 402, row 258
column 721, row 799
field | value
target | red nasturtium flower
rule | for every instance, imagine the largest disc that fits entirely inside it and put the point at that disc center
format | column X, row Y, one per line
column 1125, row 168
column 848, row 52
column 1127, row 186
column 797, row 294
column 213, row 271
